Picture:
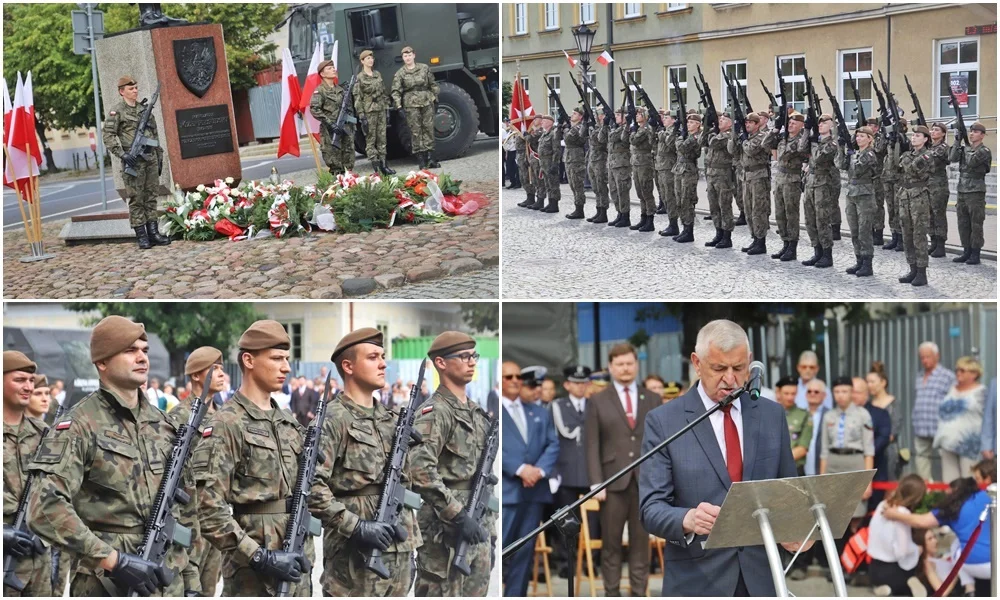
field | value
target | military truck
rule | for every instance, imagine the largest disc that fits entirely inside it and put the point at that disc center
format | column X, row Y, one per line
column 460, row 43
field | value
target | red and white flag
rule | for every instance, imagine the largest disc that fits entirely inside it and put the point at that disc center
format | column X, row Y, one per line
column 333, row 57
column 21, row 164
column 29, row 106
column 288, row 138
column 521, row 113
column 312, row 82
column 7, row 114
column 605, row 58
column 572, row 62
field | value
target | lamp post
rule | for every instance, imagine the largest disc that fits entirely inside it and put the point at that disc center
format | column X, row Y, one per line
column 584, row 37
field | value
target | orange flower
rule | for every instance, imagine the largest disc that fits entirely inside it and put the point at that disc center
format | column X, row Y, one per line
column 421, row 189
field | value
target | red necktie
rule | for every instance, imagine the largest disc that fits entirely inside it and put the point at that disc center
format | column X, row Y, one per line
column 628, row 409
column 734, row 457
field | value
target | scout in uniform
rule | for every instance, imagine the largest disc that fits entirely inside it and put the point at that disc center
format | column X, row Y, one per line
column 248, row 459
column 414, row 94
column 686, row 176
column 619, row 159
column 861, row 168
column 663, row 164
column 576, row 160
column 848, row 442
column 719, row 175
column 120, row 128
column 549, row 153
column 819, row 204
column 756, row 200
column 937, row 187
column 788, row 182
column 974, row 163
column 326, row 104
column 914, row 204
column 371, row 102
column 22, row 434
column 99, row 473
column 597, row 167
column 454, row 430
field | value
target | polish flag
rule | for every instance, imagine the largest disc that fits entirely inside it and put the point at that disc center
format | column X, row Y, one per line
column 521, row 113
column 8, row 112
column 288, row 140
column 333, row 57
column 312, row 82
column 18, row 145
column 572, row 62
column 605, row 58
column 29, row 107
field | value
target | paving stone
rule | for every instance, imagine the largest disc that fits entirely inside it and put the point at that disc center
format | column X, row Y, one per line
column 358, row 287
column 390, row 280
column 461, row 265
column 421, row 273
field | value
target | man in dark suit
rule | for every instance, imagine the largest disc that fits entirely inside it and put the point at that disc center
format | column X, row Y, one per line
column 613, row 430
column 303, row 401
column 530, row 450
column 683, row 486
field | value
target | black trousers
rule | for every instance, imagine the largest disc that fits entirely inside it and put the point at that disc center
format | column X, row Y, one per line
column 510, row 168
column 892, row 575
column 565, row 496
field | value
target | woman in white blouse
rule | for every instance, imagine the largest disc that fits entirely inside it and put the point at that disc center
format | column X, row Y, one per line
column 890, row 543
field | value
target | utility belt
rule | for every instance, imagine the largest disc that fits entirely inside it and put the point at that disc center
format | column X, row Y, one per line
column 462, row 486
column 846, row 451
column 913, row 186
column 754, row 168
column 410, row 499
column 274, row 507
column 181, row 534
column 787, row 171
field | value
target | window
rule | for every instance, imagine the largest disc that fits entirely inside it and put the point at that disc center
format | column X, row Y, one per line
column 672, row 6
column 367, row 25
column 736, row 70
column 633, row 75
column 553, row 107
column 793, row 69
column 520, row 19
column 681, row 73
column 591, row 96
column 427, row 330
column 633, row 9
column 587, row 13
column 294, row 330
column 857, row 65
column 958, row 69
column 551, row 16
column 524, row 86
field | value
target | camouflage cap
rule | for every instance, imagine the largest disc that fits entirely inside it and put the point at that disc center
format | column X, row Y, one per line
column 126, row 80
column 977, row 126
column 17, row 361
column 865, row 130
column 365, row 53
column 450, row 341
column 112, row 335
column 922, row 129
column 872, row 121
column 201, row 359
column 325, row 64
column 365, row 335
column 577, row 373
column 41, row 381
column 263, row 335
column 825, row 117
column 406, row 49
column 797, row 116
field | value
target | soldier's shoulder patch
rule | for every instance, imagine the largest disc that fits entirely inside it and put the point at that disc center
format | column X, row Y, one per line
column 64, row 424
column 207, row 432
column 50, row 451
column 426, row 409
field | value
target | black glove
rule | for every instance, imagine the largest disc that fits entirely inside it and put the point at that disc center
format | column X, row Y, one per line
column 372, row 534
column 280, row 565
column 129, row 161
column 21, row 543
column 137, row 574
column 469, row 528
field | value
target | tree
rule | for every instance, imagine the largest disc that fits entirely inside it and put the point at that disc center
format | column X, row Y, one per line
column 182, row 326
column 508, row 94
column 481, row 316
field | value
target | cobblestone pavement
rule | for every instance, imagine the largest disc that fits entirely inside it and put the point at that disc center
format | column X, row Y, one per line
column 548, row 256
column 321, row 266
column 476, row 285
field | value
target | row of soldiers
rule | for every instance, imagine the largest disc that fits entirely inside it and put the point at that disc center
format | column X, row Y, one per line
column 87, row 485
column 884, row 171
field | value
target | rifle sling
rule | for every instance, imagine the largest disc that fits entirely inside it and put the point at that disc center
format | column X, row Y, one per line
column 274, row 507
column 116, row 529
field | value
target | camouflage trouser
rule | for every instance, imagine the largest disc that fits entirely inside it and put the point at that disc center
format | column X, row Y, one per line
column 375, row 136
column 85, row 582
column 344, row 573
column 878, row 213
column 576, row 173
column 757, row 204
column 623, row 185
column 435, row 575
column 939, row 207
column 551, row 179
column 859, row 218
column 819, row 206
column 687, row 199
column 915, row 216
column 527, row 182
column 36, row 574
column 665, row 188
column 720, row 190
column 891, row 195
column 971, row 210
column 786, row 209
column 140, row 193
column 738, row 188
column 240, row 580
column 613, row 189
column 209, row 566
column 836, row 199
column 420, row 119
column 643, row 176
column 539, row 173
column 598, row 171
column 340, row 159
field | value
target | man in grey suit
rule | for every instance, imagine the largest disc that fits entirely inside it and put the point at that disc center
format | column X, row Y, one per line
column 613, row 430
column 682, row 487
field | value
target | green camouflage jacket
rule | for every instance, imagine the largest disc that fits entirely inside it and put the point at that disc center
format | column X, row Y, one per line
column 369, row 93
column 121, row 125
column 414, row 88
column 975, row 163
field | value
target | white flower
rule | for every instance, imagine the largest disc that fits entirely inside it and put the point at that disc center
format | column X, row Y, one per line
column 201, row 187
column 229, row 180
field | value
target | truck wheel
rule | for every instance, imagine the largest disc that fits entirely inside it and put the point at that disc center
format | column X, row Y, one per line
column 456, row 122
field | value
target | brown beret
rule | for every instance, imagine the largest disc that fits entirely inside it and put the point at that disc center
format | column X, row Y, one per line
column 872, row 121
column 263, row 335
column 977, row 126
column 17, row 361
column 365, row 335
column 578, row 110
column 694, row 117
column 365, row 53
column 450, row 341
column 796, row 116
column 112, row 335
column 865, row 130
column 325, row 64
column 201, row 359
column 941, row 126
column 825, row 117
column 753, row 118
column 922, row 129
column 406, row 49
column 546, row 117
column 126, row 80
column 41, row 381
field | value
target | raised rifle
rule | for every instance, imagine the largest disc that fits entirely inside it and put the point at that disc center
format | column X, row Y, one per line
column 812, row 116
column 563, row 116
column 301, row 522
column 883, row 108
column 629, row 101
column 394, row 497
column 859, row 109
column 782, row 120
column 843, row 133
column 681, row 110
column 654, row 115
column 609, row 113
column 746, row 101
column 481, row 499
column 916, row 103
column 141, row 143
column 20, row 522
column 960, row 132
column 588, row 115
column 711, row 115
column 738, row 116
column 895, row 136
column 770, row 96
column 337, row 130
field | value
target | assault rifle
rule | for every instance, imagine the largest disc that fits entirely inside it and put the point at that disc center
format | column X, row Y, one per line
column 770, row 96
column 10, row 579
column 681, row 110
column 588, row 115
column 711, row 115
column 653, row 114
column 301, row 522
column 609, row 113
column 843, row 133
column 141, row 143
column 56, row 552
column 883, row 108
column 893, row 111
column 738, row 116
column 916, row 103
column 630, row 102
column 394, row 497
column 563, row 116
column 859, row 109
column 960, row 132
column 481, row 499
column 812, row 112
column 746, row 101
column 782, row 119
column 337, row 129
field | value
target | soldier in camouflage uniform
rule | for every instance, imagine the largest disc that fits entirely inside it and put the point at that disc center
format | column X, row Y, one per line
column 974, row 162
column 818, row 203
column 755, row 159
column 890, row 185
column 598, row 167
column 619, row 159
column 326, row 104
column 938, row 188
column 860, row 166
column 454, row 430
column 642, row 144
column 576, row 160
column 719, row 176
column 881, row 147
column 663, row 163
column 357, row 441
column 22, row 434
column 248, row 459
column 414, row 94
column 550, row 153
column 99, row 474
column 533, row 138
column 119, row 132
column 788, row 181
column 686, row 175
column 521, row 155
column 372, row 104
column 914, row 204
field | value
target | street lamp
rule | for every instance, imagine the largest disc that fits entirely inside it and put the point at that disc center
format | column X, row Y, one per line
column 584, row 37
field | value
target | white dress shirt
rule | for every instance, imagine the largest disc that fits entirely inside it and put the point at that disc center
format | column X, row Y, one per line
column 578, row 403
column 718, row 420
column 633, row 391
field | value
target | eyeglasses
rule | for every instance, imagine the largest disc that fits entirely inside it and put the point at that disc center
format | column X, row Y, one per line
column 509, row 377
column 814, row 391
column 466, row 357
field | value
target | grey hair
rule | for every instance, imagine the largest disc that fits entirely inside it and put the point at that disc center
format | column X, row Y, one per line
column 723, row 334
column 808, row 355
column 930, row 345
column 822, row 384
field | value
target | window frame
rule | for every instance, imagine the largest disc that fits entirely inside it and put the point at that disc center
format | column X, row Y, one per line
column 799, row 106
column 546, row 7
column 675, row 6
column 968, row 117
column 741, row 84
column 521, row 20
column 636, row 14
column 550, row 103
column 843, row 86
column 593, row 13
column 295, row 350
column 682, row 82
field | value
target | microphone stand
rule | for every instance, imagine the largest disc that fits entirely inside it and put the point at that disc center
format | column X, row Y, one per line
column 565, row 518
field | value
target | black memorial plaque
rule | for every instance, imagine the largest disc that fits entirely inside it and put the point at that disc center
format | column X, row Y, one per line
column 204, row 131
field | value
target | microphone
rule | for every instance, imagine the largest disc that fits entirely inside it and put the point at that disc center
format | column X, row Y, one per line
column 756, row 377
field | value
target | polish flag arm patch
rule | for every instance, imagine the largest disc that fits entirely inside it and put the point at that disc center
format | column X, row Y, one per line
column 426, row 409
column 207, row 432
column 64, row 425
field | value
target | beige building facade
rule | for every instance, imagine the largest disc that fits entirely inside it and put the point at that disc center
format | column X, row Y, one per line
column 928, row 43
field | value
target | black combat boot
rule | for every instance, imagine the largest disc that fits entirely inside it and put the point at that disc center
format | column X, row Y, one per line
column 430, row 160
column 601, row 216
column 741, row 220
column 973, row 257
column 759, row 247
column 576, row 214
column 900, row 246
column 857, row 265
column 753, row 243
column 661, row 208
column 142, row 236
column 964, row 256
column 866, row 267
column 649, row 226
column 826, row 260
column 527, row 202
column 718, row 238
column 892, row 243
column 421, row 161
column 385, row 168
column 551, row 207
column 687, row 235
column 671, row 230
column 641, row 223
column 155, row 237
column 625, row 221
column 932, row 247
column 939, row 249
column 908, row 278
column 836, row 231
column 921, row 278
column 726, row 241
column 618, row 217
column 539, row 202
column 784, row 246
column 877, row 238
column 790, row 254
column 817, row 254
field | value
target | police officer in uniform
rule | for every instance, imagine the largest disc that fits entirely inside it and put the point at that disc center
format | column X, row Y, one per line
column 861, row 169
column 120, row 129
column 454, row 430
column 576, row 160
column 597, row 167
column 372, row 103
column 531, row 383
column 415, row 93
column 974, row 163
column 848, row 438
column 326, row 104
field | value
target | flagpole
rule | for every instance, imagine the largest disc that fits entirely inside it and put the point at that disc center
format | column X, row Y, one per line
column 312, row 142
column 17, row 190
column 37, row 205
